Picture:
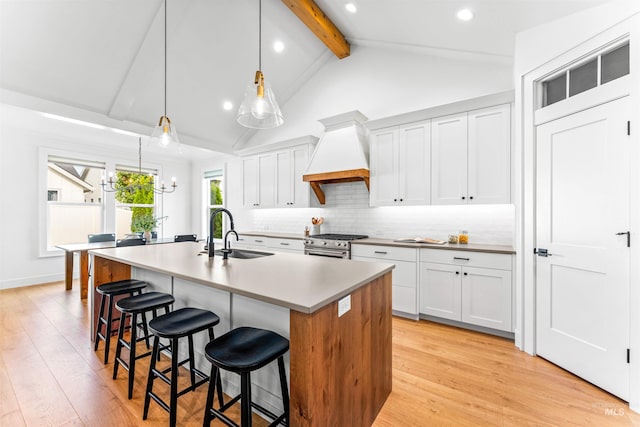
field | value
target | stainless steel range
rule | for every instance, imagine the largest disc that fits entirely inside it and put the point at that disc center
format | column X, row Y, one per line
column 330, row 245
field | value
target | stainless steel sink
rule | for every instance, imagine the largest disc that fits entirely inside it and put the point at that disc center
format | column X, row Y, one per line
column 242, row 253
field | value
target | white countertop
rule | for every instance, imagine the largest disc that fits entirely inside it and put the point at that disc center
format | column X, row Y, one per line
column 298, row 282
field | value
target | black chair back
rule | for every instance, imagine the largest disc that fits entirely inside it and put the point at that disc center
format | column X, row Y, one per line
column 185, row 237
column 107, row 237
column 130, row 242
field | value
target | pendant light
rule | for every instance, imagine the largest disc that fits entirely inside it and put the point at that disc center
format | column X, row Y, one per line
column 259, row 109
column 165, row 133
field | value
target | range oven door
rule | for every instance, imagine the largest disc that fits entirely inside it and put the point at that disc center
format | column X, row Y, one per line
column 331, row 253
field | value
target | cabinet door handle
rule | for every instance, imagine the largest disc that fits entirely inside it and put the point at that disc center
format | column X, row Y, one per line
column 395, row 200
column 258, row 241
column 380, row 252
column 457, row 272
column 401, row 200
column 470, row 197
column 461, row 259
column 465, row 273
column 463, row 198
column 284, row 244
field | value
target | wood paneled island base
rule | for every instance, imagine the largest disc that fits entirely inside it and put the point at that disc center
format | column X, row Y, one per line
column 341, row 366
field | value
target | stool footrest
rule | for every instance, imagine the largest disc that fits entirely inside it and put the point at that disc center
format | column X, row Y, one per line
column 193, row 387
column 159, row 401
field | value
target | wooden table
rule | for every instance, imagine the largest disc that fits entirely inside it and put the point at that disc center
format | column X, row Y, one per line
column 83, row 249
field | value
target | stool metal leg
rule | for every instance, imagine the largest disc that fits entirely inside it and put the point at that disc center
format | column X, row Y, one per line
column 173, row 401
column 99, row 323
column 284, row 388
column 212, row 377
column 132, row 352
column 107, row 332
column 119, row 344
column 152, row 366
column 145, row 329
column 245, row 401
column 192, row 363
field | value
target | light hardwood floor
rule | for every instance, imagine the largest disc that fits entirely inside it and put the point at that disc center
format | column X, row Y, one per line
column 50, row 376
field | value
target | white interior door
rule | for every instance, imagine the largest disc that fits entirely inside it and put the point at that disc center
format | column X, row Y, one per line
column 582, row 203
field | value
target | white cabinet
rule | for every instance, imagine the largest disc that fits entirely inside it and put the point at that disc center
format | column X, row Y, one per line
column 400, row 159
column 291, row 190
column 274, row 179
column 471, row 157
column 469, row 287
column 286, row 245
column 259, row 177
column 404, row 276
column 248, row 242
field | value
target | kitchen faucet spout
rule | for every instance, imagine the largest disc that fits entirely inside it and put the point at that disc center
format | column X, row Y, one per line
column 212, row 228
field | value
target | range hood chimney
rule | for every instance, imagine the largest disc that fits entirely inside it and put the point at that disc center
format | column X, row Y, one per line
column 342, row 154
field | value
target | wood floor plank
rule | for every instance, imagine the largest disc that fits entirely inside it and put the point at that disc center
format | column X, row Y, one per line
column 442, row 376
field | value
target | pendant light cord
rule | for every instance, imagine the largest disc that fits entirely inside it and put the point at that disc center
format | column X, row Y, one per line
column 165, row 57
column 260, row 35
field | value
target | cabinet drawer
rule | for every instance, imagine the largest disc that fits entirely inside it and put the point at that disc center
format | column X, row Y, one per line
column 384, row 252
column 467, row 258
column 244, row 240
column 285, row 244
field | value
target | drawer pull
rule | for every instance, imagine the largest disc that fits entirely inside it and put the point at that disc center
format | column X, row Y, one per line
column 460, row 258
column 284, row 244
column 380, row 252
column 258, row 241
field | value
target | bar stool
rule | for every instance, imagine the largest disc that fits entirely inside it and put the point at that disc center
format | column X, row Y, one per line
column 177, row 324
column 134, row 306
column 244, row 350
column 110, row 290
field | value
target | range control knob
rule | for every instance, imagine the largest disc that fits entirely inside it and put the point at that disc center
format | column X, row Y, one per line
column 338, row 244
column 324, row 243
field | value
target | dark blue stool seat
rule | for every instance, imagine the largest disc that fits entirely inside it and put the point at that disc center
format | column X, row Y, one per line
column 134, row 306
column 243, row 350
column 109, row 291
column 172, row 326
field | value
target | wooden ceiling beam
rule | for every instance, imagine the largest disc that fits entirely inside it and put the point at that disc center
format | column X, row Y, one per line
column 320, row 24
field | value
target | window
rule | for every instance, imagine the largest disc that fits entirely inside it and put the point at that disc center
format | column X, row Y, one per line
column 213, row 181
column 74, row 200
column 135, row 200
column 596, row 71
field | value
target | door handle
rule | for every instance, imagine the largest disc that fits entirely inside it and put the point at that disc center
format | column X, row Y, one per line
column 541, row 252
column 628, row 233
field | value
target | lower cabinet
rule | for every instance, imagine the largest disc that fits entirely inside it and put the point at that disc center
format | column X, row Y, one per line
column 249, row 242
column 404, row 276
column 469, row 287
column 286, row 245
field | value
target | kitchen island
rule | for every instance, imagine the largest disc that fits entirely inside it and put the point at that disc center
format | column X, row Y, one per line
column 339, row 363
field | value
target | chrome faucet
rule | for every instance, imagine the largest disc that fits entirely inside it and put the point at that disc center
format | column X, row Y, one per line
column 212, row 228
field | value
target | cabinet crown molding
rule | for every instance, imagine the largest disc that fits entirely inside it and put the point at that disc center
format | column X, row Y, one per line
column 288, row 143
column 492, row 100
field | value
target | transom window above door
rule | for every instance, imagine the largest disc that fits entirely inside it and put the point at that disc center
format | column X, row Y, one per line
column 604, row 67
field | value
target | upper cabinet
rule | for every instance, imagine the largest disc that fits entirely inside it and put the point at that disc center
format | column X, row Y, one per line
column 399, row 161
column 274, row 178
column 471, row 157
column 291, row 190
column 258, row 175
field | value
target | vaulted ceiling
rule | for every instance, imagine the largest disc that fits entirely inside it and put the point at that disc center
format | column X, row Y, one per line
column 102, row 60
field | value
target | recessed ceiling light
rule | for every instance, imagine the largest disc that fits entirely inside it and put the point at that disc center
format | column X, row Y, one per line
column 465, row 15
column 227, row 105
column 278, row 46
column 351, row 7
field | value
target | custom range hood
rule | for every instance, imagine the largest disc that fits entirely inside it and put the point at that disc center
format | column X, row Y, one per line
column 342, row 154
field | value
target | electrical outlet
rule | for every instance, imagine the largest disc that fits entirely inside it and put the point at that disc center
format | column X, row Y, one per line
column 344, row 305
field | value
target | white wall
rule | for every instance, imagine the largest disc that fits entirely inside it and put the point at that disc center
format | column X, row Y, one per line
column 23, row 135
column 381, row 82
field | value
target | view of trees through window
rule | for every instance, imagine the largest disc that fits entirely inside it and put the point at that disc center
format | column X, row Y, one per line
column 135, row 202
column 216, row 201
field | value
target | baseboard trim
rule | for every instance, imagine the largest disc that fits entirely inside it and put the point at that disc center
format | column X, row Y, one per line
column 30, row 281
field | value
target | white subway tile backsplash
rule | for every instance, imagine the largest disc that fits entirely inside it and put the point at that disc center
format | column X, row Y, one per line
column 347, row 211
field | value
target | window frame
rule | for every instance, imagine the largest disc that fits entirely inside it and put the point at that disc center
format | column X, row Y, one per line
column 207, row 176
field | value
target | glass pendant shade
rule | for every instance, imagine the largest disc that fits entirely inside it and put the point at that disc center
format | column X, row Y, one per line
column 259, row 109
column 165, row 133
